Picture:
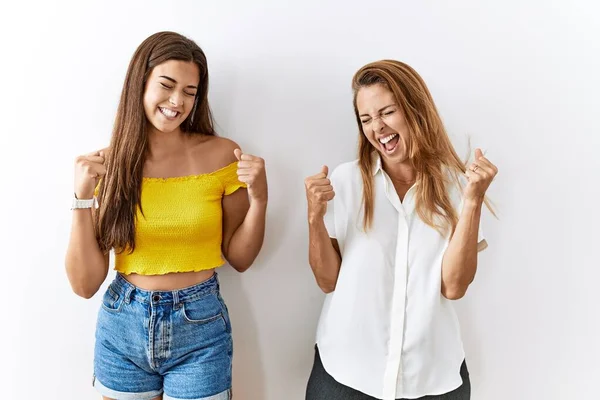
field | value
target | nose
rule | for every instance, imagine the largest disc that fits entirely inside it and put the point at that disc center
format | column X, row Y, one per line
column 377, row 125
column 176, row 100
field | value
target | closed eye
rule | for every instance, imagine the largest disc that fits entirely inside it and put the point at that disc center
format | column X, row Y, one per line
column 166, row 86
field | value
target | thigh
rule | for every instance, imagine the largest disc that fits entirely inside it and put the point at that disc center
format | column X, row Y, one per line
column 322, row 386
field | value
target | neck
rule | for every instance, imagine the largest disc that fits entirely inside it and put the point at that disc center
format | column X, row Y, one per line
column 161, row 142
column 402, row 173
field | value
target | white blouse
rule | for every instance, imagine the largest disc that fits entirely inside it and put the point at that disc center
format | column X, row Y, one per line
column 387, row 330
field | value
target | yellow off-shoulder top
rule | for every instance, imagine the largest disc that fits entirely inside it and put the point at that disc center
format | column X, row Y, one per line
column 181, row 228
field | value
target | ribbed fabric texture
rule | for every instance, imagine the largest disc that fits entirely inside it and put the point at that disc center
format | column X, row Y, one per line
column 181, row 226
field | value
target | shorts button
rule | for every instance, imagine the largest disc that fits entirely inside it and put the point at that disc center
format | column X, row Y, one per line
column 155, row 298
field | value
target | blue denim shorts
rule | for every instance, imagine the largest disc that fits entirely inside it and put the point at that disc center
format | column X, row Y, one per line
column 175, row 343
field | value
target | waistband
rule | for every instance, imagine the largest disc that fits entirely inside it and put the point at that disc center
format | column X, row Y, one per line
column 124, row 288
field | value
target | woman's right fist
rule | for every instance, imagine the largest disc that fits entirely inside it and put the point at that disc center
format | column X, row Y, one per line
column 318, row 192
column 88, row 171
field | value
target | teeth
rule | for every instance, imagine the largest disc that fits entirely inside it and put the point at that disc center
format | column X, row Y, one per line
column 387, row 138
column 168, row 113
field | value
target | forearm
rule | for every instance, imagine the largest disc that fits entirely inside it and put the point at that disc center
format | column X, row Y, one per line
column 246, row 242
column 323, row 257
column 85, row 263
column 459, row 264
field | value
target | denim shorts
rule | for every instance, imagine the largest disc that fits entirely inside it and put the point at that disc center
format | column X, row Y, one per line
column 175, row 343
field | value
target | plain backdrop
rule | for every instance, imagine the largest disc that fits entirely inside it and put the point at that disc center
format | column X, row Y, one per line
column 519, row 78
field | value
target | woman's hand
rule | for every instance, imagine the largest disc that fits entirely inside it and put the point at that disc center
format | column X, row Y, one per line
column 251, row 171
column 88, row 171
column 480, row 174
column 318, row 192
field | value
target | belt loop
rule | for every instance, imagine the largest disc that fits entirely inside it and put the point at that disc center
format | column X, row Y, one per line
column 176, row 304
column 217, row 281
column 128, row 293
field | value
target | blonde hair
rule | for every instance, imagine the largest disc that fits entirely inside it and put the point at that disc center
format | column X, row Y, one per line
column 430, row 151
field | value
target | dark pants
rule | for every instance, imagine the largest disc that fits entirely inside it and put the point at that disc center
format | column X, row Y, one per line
column 322, row 386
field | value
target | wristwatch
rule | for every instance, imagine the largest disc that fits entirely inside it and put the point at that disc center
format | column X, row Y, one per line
column 87, row 203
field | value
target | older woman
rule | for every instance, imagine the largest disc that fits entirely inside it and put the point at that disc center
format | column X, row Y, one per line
column 393, row 246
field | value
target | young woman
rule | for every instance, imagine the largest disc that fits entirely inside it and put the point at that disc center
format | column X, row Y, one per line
column 173, row 200
column 393, row 246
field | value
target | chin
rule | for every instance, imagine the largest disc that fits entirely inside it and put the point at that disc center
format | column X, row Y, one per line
column 394, row 159
column 164, row 128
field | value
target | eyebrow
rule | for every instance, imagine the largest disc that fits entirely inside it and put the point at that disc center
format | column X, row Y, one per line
column 174, row 81
column 380, row 110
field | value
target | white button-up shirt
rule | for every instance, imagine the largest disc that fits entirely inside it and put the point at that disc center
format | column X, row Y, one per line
column 387, row 330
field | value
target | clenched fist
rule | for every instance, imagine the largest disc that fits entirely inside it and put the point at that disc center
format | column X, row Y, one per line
column 480, row 174
column 251, row 171
column 88, row 171
column 318, row 192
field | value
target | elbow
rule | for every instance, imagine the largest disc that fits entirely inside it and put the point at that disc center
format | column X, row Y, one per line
column 326, row 279
column 81, row 289
column 454, row 292
column 240, row 267
column 455, row 283
column 454, row 295
column 239, row 262
column 327, row 288
column 81, row 286
column 84, row 292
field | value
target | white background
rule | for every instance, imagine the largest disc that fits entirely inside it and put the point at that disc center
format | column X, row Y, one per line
column 519, row 77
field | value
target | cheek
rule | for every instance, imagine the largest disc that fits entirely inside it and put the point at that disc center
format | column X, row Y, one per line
column 151, row 101
column 399, row 126
column 188, row 105
column 369, row 136
column 152, row 98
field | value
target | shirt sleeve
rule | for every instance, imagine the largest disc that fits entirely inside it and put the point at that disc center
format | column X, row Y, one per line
column 229, row 179
column 481, row 240
column 329, row 219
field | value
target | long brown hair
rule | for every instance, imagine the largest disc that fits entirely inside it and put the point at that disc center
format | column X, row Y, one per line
column 120, row 190
column 430, row 151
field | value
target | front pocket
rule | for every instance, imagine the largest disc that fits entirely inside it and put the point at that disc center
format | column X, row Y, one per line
column 202, row 311
column 112, row 301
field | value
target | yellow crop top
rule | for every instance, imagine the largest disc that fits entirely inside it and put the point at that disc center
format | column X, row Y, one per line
column 181, row 229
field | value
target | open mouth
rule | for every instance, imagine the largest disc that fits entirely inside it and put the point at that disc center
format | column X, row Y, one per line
column 390, row 142
column 170, row 114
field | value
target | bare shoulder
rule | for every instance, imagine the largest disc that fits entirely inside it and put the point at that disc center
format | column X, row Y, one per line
column 218, row 151
column 224, row 145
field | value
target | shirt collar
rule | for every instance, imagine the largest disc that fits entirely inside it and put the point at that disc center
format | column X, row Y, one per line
column 376, row 157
